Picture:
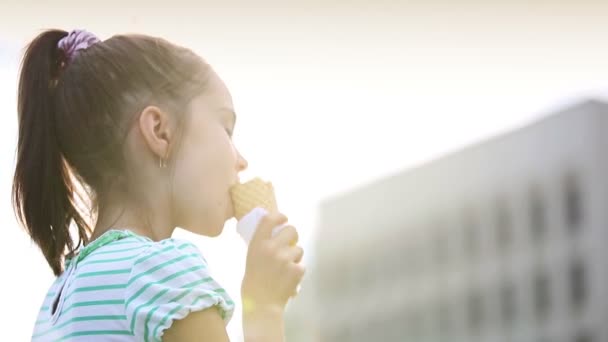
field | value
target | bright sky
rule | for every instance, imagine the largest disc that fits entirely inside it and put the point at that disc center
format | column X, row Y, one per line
column 328, row 97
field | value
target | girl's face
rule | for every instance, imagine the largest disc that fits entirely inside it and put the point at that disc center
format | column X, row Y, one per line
column 207, row 163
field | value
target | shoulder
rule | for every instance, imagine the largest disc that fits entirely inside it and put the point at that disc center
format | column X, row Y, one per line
column 127, row 249
column 175, row 246
column 167, row 255
column 166, row 262
column 169, row 280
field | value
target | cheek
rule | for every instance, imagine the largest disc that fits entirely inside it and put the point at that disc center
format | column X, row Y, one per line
column 192, row 176
column 197, row 203
column 200, row 186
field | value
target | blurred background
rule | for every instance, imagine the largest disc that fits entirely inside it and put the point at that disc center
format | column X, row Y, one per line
column 443, row 161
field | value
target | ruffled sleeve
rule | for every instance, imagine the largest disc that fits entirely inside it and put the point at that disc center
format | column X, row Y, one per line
column 169, row 280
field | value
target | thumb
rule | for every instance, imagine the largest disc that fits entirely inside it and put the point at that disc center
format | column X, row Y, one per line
column 267, row 224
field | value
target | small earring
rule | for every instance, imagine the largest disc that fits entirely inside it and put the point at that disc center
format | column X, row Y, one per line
column 161, row 163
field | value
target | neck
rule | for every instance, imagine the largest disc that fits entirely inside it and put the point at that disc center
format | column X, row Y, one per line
column 146, row 219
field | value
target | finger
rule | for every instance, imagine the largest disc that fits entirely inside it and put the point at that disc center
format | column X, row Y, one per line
column 287, row 236
column 296, row 253
column 267, row 224
column 296, row 292
column 298, row 271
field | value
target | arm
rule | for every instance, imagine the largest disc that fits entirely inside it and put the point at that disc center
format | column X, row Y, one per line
column 264, row 326
column 270, row 260
column 208, row 326
column 200, row 326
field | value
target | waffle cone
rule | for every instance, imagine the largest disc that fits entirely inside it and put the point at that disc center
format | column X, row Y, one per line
column 249, row 195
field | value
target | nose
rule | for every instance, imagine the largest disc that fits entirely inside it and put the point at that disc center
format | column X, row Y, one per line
column 241, row 162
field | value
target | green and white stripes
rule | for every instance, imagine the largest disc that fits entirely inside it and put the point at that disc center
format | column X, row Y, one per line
column 129, row 288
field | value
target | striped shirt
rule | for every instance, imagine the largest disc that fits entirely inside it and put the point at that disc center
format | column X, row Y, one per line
column 126, row 287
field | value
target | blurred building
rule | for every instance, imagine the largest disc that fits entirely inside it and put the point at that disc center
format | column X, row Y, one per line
column 302, row 319
column 502, row 241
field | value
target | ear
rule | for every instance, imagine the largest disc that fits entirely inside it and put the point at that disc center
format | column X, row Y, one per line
column 156, row 129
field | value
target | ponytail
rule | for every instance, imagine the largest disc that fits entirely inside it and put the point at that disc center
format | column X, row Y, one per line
column 43, row 187
column 74, row 118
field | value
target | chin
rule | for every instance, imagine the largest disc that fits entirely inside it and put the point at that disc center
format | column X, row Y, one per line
column 229, row 217
column 209, row 230
column 214, row 234
column 214, row 231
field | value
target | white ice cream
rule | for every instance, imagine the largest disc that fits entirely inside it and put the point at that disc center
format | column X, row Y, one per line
column 248, row 224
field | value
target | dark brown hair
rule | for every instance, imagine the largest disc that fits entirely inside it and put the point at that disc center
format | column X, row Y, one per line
column 74, row 116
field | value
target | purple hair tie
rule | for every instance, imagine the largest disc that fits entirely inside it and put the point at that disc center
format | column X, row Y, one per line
column 75, row 41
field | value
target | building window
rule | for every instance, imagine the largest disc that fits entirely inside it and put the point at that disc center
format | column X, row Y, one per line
column 414, row 325
column 475, row 312
column 470, row 234
column 542, row 295
column 583, row 337
column 411, row 260
column 444, row 323
column 508, row 303
column 537, row 214
column 578, row 285
column 404, row 260
column 440, row 246
column 504, row 229
column 573, row 206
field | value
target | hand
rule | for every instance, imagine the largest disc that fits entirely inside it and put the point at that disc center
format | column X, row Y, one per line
column 273, row 269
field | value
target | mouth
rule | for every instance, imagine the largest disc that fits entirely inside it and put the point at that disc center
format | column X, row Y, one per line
column 230, row 209
column 235, row 182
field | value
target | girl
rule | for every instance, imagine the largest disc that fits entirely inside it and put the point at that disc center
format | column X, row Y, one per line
column 139, row 130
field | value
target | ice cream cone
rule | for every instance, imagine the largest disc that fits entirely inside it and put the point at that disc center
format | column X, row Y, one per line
column 252, row 194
